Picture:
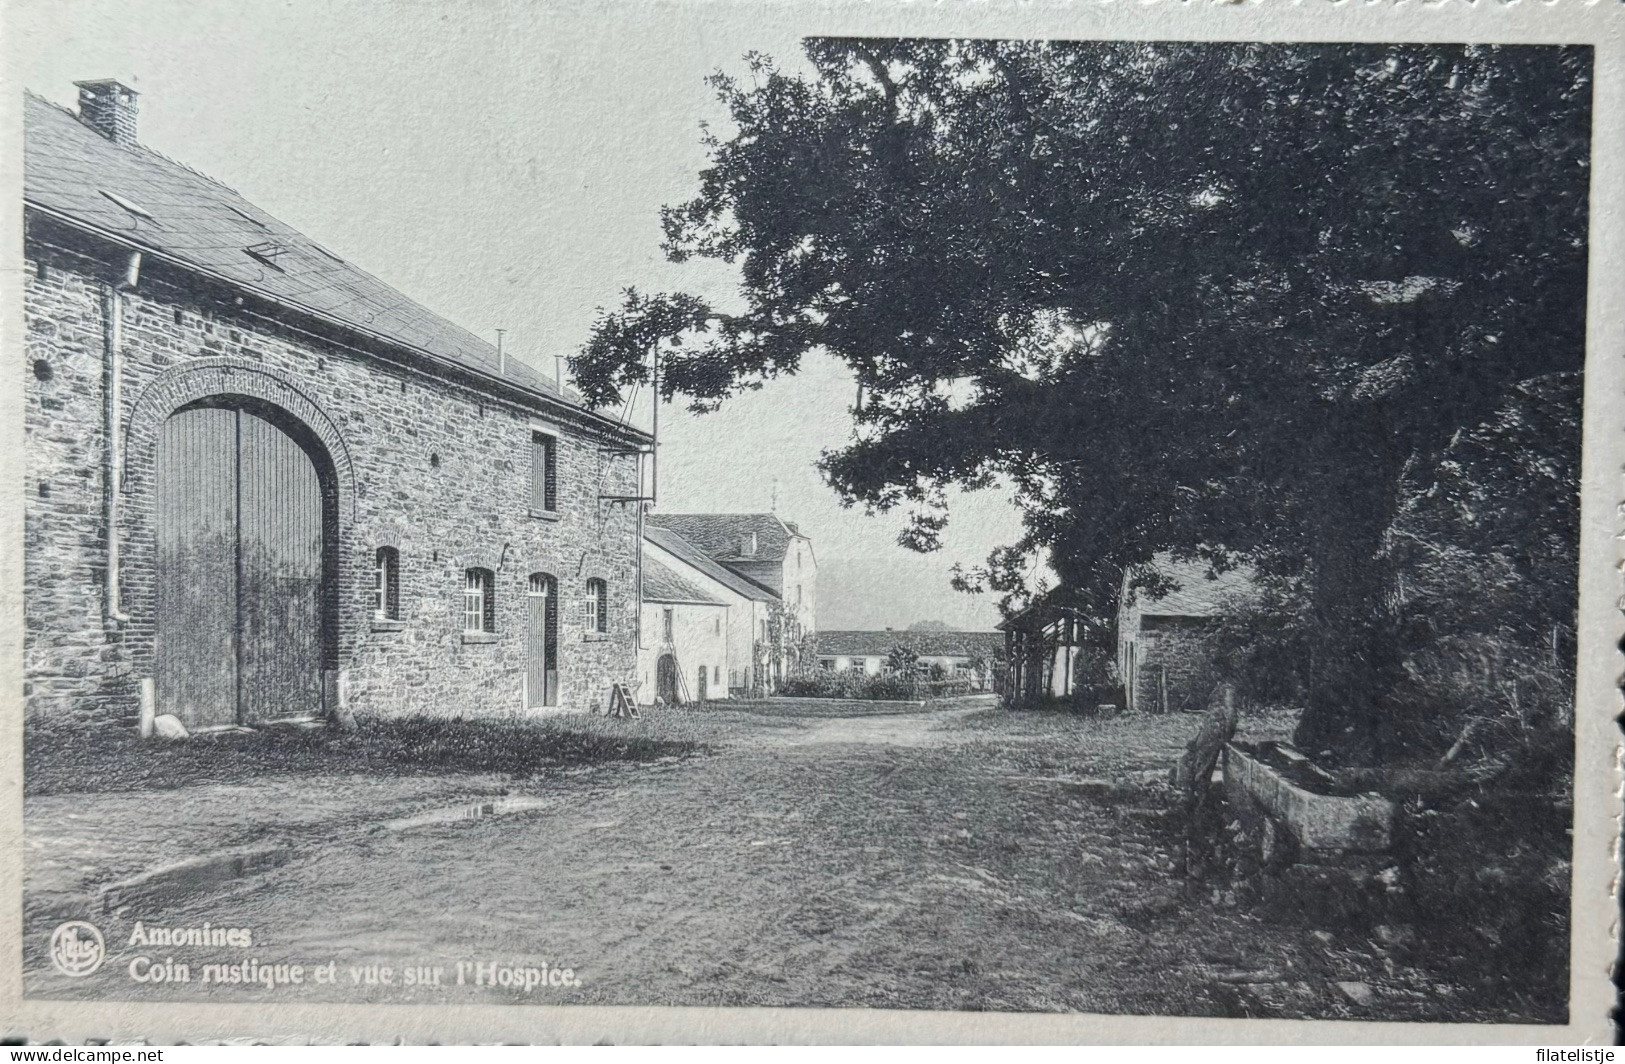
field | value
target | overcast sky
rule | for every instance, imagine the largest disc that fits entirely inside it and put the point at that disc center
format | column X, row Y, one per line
column 504, row 164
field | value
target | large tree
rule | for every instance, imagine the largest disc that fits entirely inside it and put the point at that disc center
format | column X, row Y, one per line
column 1207, row 299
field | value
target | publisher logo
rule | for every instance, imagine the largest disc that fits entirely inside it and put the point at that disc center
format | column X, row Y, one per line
column 77, row 948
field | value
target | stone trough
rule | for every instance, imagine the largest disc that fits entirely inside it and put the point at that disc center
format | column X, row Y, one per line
column 1318, row 814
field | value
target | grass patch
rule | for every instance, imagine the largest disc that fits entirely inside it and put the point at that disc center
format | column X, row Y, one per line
column 63, row 759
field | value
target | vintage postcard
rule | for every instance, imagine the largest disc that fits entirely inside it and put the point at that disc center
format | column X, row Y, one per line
column 812, row 522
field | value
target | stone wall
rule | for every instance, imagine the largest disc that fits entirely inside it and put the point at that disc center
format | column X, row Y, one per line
column 1180, row 649
column 421, row 461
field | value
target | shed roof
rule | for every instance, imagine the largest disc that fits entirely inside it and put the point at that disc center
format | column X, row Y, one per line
column 721, row 535
column 664, row 585
column 142, row 198
column 692, row 556
column 927, row 644
column 1198, row 592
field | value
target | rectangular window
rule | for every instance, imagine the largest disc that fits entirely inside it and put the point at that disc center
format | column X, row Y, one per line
column 479, row 602
column 665, row 625
column 544, row 472
column 386, row 584
column 595, row 607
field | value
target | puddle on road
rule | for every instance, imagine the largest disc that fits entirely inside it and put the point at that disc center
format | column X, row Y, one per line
column 470, row 811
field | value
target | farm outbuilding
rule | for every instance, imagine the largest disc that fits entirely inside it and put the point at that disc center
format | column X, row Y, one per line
column 262, row 484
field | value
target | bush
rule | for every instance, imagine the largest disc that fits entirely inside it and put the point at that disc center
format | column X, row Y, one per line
column 884, row 687
column 1500, row 709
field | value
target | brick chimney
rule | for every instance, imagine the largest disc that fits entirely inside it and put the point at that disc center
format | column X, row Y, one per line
column 108, row 107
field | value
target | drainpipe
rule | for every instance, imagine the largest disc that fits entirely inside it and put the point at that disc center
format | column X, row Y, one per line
column 114, row 336
column 638, row 590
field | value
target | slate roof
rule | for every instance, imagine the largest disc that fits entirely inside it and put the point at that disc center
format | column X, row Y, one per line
column 720, row 535
column 870, row 644
column 147, row 199
column 677, row 546
column 664, row 585
column 1197, row 594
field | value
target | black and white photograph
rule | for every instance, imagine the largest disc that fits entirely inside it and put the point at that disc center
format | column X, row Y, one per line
column 753, row 506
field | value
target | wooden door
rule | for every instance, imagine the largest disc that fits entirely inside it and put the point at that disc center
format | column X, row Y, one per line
column 195, row 644
column 239, row 635
column 279, row 536
column 542, row 642
column 666, row 679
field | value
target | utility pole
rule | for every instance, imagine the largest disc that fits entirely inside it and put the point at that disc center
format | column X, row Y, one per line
column 654, row 448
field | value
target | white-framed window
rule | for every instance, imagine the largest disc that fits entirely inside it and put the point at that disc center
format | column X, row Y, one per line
column 595, row 607
column 666, row 625
column 479, row 601
column 544, row 472
column 386, row 584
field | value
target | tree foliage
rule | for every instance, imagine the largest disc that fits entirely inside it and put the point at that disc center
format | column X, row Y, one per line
column 1203, row 298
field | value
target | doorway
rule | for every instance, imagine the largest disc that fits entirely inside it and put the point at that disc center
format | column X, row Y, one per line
column 666, row 679
column 243, row 566
column 542, row 642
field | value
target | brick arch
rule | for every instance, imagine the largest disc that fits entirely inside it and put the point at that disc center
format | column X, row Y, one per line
column 479, row 558
column 388, row 535
column 533, row 564
column 205, row 378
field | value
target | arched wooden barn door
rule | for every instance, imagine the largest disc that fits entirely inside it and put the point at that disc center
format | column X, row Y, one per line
column 242, row 540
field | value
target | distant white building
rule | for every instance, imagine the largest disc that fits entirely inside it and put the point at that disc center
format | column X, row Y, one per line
column 683, row 642
column 868, row 650
column 762, row 568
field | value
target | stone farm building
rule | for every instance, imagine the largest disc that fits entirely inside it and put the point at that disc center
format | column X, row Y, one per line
column 263, row 485
column 868, row 650
column 1165, row 642
column 759, row 566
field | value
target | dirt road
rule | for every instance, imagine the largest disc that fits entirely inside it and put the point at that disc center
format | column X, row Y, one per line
column 948, row 860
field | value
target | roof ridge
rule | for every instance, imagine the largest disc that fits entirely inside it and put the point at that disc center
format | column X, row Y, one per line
column 137, row 146
column 69, row 162
column 702, row 559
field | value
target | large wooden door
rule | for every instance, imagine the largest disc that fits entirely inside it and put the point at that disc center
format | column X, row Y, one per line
column 240, row 568
column 542, row 642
